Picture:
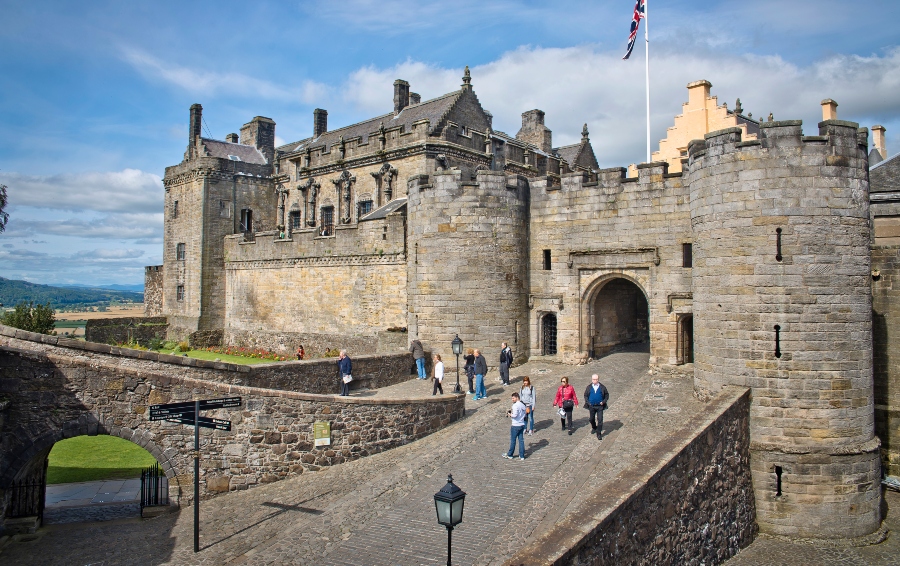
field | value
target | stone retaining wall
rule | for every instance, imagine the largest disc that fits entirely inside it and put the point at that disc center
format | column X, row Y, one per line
column 50, row 393
column 123, row 330
column 689, row 501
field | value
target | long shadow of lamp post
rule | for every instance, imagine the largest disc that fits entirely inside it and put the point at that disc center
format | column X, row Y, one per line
column 457, row 349
column 448, row 503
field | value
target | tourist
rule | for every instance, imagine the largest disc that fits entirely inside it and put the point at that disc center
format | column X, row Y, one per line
column 438, row 375
column 567, row 400
column 418, row 352
column 480, row 370
column 517, row 428
column 526, row 395
column 595, row 398
column 506, row 358
column 344, row 367
column 470, row 369
column 301, row 353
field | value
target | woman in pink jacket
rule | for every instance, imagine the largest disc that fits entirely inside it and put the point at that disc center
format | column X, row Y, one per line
column 567, row 400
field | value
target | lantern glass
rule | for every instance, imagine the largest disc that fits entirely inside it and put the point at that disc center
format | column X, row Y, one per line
column 457, row 345
column 443, row 511
column 456, row 511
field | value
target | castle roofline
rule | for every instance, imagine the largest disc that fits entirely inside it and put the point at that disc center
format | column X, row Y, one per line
column 230, row 150
column 434, row 110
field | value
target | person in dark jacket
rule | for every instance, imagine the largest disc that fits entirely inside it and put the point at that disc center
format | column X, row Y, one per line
column 595, row 398
column 469, row 366
column 480, row 370
column 418, row 352
column 345, row 367
column 506, row 358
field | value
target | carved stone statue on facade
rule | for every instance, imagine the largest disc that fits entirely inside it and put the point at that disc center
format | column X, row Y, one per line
column 282, row 193
column 311, row 191
column 385, row 178
column 343, row 185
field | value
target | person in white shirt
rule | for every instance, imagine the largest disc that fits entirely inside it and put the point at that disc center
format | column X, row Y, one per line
column 438, row 375
column 517, row 428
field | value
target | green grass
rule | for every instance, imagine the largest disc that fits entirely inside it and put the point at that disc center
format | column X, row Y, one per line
column 70, row 323
column 92, row 458
column 212, row 356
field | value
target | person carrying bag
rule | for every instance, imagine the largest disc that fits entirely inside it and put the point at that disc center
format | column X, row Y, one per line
column 566, row 400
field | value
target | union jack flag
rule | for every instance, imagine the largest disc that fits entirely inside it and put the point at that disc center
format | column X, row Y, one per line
column 635, row 22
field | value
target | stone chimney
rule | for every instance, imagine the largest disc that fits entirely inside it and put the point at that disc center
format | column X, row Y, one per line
column 260, row 133
column 534, row 131
column 698, row 92
column 401, row 95
column 231, row 138
column 829, row 109
column 878, row 143
column 195, row 128
column 415, row 98
column 320, row 122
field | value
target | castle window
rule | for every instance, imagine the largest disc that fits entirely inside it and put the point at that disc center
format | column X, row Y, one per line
column 294, row 219
column 327, row 221
column 687, row 255
column 246, row 220
column 224, row 209
column 365, row 207
column 547, row 260
column 179, row 293
column 175, row 209
column 179, row 252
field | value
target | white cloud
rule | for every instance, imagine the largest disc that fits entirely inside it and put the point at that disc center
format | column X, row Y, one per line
column 211, row 83
column 129, row 190
column 109, row 254
column 580, row 84
column 113, row 227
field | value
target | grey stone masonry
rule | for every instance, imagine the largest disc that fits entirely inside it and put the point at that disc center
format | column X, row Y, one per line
column 468, row 264
column 781, row 292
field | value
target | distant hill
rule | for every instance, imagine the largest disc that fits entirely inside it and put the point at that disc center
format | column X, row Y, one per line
column 13, row 292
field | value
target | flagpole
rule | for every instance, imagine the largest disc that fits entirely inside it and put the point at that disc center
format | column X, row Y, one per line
column 647, row 71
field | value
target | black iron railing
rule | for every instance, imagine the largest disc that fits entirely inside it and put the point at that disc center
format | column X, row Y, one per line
column 27, row 500
column 154, row 487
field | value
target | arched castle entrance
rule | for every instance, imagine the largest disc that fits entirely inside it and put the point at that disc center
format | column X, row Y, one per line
column 685, row 343
column 617, row 313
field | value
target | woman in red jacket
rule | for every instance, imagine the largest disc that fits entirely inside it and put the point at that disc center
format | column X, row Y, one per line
column 567, row 401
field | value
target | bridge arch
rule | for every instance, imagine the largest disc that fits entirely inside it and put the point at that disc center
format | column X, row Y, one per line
column 28, row 460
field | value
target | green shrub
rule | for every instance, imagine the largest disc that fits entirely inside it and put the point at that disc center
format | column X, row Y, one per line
column 170, row 345
column 183, row 346
column 33, row 318
column 155, row 344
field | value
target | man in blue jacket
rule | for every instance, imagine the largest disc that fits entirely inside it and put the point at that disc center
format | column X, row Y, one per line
column 595, row 398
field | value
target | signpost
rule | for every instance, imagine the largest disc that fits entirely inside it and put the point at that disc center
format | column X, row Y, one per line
column 188, row 413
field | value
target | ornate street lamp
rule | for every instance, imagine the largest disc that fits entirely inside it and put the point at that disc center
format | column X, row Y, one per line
column 448, row 503
column 457, row 349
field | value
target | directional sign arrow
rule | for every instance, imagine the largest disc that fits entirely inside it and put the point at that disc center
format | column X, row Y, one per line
column 162, row 414
column 204, row 405
column 218, row 424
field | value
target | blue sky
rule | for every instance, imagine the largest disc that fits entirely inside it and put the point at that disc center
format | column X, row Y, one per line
column 94, row 95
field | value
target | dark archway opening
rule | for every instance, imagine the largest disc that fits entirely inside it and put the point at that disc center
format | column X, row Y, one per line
column 685, row 352
column 620, row 316
column 548, row 335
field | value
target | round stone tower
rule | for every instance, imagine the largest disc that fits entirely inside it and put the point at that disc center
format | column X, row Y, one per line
column 782, row 304
column 468, row 262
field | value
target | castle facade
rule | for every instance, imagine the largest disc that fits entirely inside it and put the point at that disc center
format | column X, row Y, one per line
column 751, row 266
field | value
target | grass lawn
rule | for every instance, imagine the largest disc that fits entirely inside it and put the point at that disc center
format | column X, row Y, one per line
column 91, row 458
column 212, row 356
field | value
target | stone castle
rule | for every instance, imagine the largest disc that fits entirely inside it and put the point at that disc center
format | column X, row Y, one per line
column 425, row 222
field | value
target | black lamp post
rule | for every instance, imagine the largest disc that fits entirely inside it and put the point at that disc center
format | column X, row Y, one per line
column 457, row 349
column 448, row 503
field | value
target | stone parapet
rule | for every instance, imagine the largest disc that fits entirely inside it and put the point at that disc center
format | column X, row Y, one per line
column 689, row 500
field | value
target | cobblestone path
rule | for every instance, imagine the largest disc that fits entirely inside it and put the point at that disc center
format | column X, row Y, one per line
column 379, row 510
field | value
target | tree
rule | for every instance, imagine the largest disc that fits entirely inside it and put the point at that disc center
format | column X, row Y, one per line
column 4, row 217
column 31, row 317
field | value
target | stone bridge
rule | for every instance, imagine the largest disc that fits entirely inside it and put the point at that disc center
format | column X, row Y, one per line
column 55, row 388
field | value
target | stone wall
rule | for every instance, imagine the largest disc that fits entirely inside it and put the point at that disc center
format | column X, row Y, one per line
column 783, row 304
column 886, row 358
column 51, row 392
column 123, row 330
column 596, row 232
column 153, row 290
column 689, row 502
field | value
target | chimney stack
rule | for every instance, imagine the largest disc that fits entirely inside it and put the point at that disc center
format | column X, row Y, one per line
column 260, row 133
column 401, row 95
column 195, row 127
column 534, row 131
column 878, row 142
column 415, row 98
column 231, row 138
column 829, row 109
column 320, row 122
